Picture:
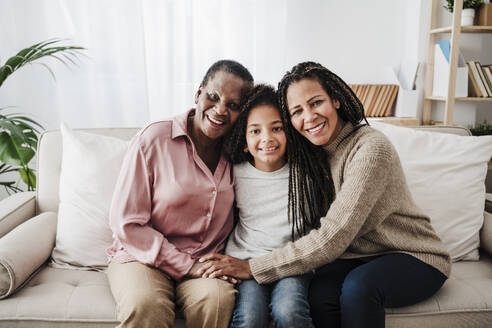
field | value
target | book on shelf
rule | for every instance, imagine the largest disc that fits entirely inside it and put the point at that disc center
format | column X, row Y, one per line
column 392, row 98
column 362, row 93
column 370, row 96
column 484, row 81
column 380, row 99
column 376, row 99
column 488, row 75
column 477, row 79
column 473, row 89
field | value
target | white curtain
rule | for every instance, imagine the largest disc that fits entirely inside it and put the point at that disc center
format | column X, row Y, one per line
column 145, row 58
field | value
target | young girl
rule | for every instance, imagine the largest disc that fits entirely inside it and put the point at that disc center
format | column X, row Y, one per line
column 258, row 149
column 374, row 248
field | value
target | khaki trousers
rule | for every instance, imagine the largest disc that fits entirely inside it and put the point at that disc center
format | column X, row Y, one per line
column 146, row 297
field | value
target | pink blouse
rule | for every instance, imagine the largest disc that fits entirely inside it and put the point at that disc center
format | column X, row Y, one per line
column 168, row 209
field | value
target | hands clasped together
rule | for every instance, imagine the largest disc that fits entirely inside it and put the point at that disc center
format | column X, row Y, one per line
column 223, row 267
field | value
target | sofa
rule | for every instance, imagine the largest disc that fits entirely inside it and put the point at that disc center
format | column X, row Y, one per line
column 35, row 294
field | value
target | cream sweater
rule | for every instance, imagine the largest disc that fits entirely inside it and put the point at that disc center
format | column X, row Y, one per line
column 262, row 199
column 373, row 213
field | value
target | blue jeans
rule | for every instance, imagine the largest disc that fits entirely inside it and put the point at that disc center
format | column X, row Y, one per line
column 354, row 293
column 287, row 299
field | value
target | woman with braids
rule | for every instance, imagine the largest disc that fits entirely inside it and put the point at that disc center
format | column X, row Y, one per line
column 173, row 204
column 258, row 148
column 374, row 247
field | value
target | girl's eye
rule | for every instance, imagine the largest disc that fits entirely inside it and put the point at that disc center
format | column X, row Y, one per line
column 316, row 103
column 278, row 128
column 255, row 131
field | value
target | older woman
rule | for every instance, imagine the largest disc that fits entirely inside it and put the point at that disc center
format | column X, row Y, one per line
column 373, row 248
column 172, row 205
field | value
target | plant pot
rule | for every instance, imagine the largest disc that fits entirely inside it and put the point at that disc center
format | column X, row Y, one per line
column 467, row 16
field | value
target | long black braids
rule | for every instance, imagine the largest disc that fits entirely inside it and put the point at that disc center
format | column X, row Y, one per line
column 311, row 188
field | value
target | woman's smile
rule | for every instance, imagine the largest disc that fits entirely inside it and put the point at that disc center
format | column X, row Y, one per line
column 316, row 129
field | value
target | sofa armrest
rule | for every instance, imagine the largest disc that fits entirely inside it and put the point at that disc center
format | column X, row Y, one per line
column 16, row 209
column 486, row 231
column 24, row 249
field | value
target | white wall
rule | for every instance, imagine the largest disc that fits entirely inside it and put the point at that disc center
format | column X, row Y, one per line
column 359, row 40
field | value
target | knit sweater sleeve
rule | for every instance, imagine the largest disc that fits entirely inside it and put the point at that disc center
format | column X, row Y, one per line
column 363, row 184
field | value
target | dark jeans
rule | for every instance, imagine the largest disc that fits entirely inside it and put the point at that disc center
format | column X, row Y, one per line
column 285, row 299
column 354, row 293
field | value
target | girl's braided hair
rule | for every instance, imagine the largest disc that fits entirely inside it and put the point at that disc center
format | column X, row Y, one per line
column 311, row 188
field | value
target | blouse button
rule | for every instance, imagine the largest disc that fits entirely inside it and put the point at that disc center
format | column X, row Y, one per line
column 214, row 192
column 209, row 214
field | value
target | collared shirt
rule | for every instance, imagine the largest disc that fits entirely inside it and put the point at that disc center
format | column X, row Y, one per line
column 168, row 209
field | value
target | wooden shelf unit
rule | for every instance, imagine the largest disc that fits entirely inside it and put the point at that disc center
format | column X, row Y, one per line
column 402, row 121
column 464, row 29
column 455, row 29
column 460, row 98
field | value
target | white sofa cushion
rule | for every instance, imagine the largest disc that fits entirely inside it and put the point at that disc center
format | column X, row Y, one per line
column 24, row 249
column 89, row 169
column 446, row 176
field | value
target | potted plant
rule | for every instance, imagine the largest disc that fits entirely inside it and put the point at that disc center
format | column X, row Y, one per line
column 19, row 133
column 481, row 129
column 468, row 13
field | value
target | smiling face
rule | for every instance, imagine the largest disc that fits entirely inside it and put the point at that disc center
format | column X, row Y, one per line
column 265, row 138
column 217, row 106
column 312, row 112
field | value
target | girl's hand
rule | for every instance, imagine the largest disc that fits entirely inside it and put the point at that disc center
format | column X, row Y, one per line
column 216, row 265
column 232, row 280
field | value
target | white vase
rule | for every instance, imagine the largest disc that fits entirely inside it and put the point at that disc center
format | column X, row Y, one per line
column 467, row 16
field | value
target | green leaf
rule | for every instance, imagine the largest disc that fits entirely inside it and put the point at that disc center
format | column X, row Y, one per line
column 14, row 130
column 28, row 177
column 24, row 151
column 4, row 168
column 9, row 186
column 25, row 121
column 49, row 70
column 8, row 152
column 14, row 151
column 32, row 139
column 33, row 53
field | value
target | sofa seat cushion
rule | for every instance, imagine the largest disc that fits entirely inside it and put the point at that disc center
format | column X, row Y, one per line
column 465, row 300
column 73, row 298
column 63, row 296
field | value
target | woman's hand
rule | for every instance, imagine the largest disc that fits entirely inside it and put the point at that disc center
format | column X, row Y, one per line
column 195, row 273
column 216, row 265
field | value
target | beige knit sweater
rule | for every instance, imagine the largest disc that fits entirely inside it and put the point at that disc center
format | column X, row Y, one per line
column 373, row 213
